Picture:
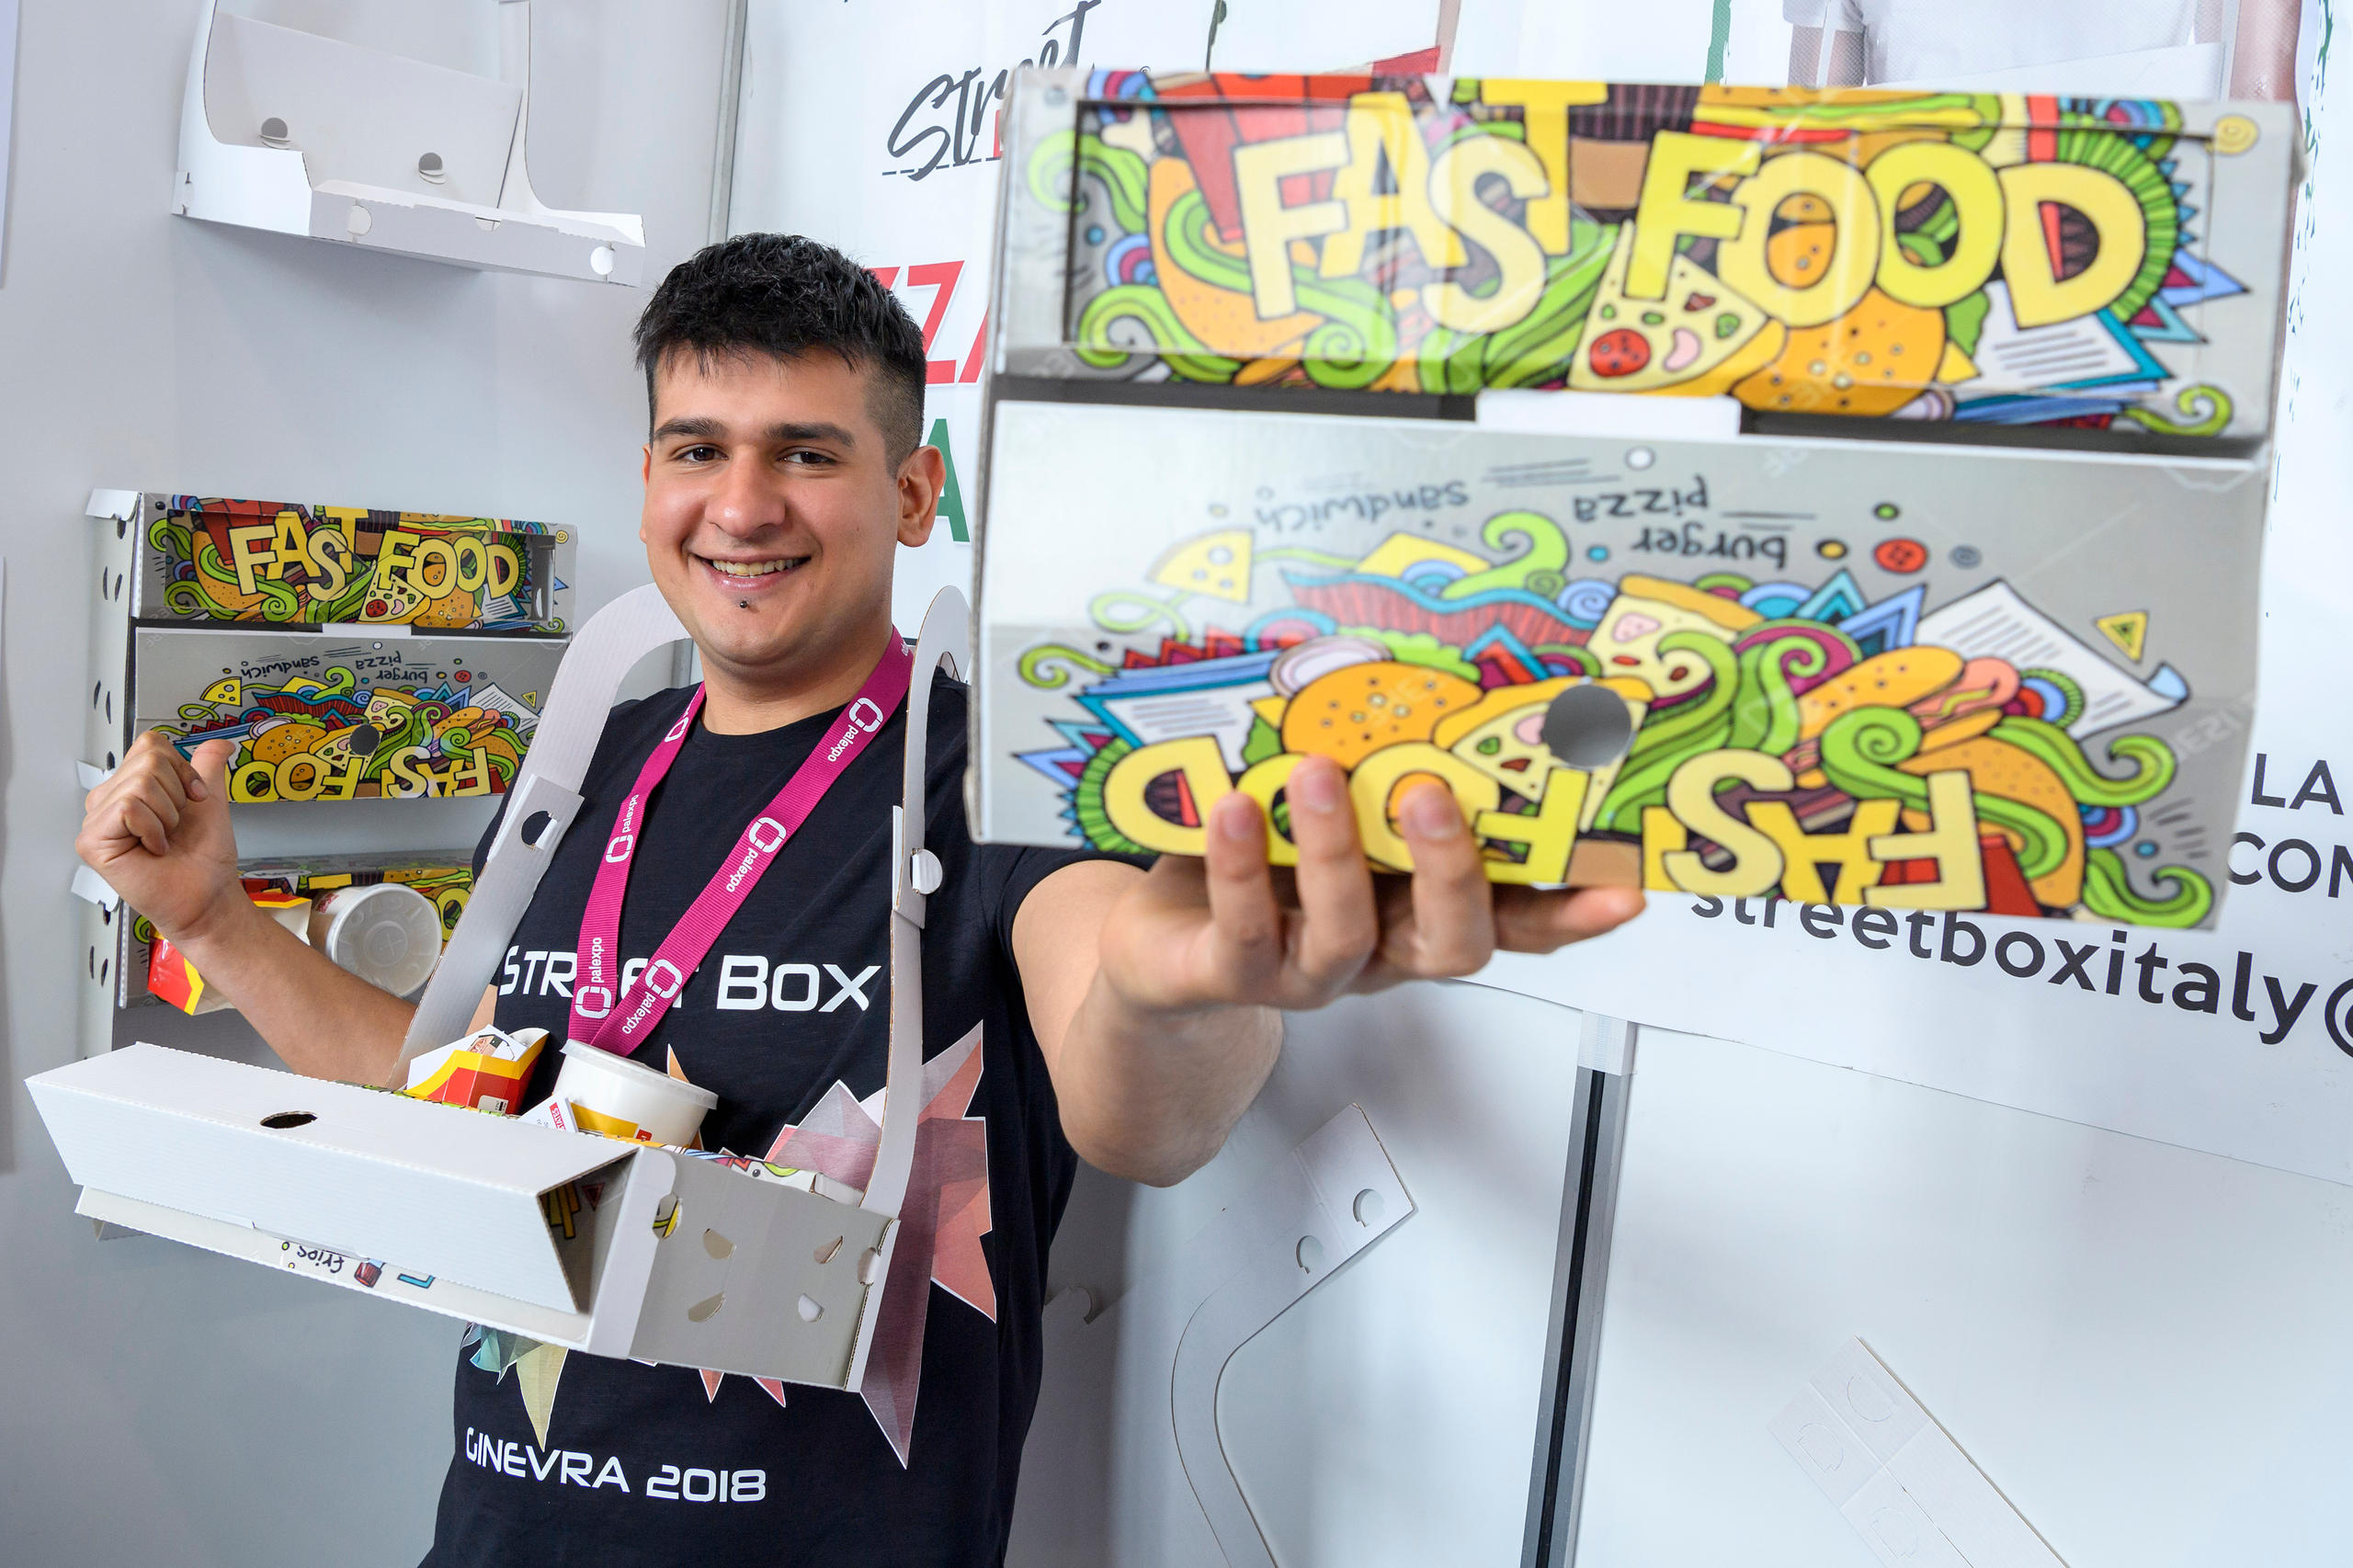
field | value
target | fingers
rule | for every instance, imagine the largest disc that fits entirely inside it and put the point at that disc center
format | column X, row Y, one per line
column 1245, row 931
column 149, row 811
column 1528, row 921
column 136, row 819
column 1338, row 925
column 142, row 802
column 168, row 761
column 1453, row 928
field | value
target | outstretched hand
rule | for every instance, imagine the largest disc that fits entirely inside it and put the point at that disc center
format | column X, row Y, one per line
column 1229, row 929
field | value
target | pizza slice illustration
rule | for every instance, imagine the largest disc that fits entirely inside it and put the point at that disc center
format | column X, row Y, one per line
column 1696, row 341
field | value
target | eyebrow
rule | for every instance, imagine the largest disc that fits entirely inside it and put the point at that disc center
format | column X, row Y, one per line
column 700, row 427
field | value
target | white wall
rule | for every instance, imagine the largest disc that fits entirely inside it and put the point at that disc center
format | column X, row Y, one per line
column 2141, row 1345
column 164, row 1406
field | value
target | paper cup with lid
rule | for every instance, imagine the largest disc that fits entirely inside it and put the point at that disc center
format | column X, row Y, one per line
column 612, row 1094
column 388, row 933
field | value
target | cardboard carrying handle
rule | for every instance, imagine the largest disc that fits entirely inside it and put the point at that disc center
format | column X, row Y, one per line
column 946, row 638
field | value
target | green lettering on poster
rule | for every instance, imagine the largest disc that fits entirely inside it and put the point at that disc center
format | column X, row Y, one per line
column 952, row 497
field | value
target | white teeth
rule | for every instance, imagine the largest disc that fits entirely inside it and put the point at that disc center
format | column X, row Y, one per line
column 753, row 568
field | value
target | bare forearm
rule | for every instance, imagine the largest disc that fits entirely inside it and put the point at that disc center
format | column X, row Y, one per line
column 324, row 1021
column 1151, row 1095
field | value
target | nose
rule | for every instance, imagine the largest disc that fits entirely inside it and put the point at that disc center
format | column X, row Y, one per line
column 748, row 500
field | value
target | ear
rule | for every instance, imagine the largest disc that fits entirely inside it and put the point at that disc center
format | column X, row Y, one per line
column 645, row 478
column 921, row 478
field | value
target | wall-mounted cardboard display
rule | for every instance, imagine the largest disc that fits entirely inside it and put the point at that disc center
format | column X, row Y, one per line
column 1979, row 258
column 292, row 630
column 322, row 711
column 288, row 131
column 1914, row 678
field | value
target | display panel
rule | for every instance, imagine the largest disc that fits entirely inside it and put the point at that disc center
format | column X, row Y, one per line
column 1910, row 678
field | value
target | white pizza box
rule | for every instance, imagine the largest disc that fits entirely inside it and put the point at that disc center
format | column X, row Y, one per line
column 670, row 1259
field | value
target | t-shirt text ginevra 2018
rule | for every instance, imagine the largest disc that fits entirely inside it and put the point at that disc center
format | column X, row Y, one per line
column 569, row 1467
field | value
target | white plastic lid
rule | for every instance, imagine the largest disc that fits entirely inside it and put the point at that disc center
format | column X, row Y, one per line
column 387, row 935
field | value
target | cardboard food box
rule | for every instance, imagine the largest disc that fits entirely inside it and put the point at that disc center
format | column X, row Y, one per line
column 489, row 1071
column 1982, row 258
column 172, row 980
column 565, row 1238
column 341, row 720
column 207, row 558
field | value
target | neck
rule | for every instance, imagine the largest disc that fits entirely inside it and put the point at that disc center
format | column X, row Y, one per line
column 746, row 702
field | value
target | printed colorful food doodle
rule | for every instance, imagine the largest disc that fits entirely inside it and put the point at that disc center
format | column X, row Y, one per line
column 216, row 559
column 2001, row 258
column 1792, row 736
column 394, row 721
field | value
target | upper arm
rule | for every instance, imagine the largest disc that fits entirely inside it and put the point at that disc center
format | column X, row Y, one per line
column 487, row 1013
column 1055, row 944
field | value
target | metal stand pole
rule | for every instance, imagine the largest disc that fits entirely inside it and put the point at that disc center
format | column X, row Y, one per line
column 1580, row 1279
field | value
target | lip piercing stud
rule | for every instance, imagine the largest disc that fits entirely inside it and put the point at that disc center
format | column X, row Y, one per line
column 742, row 604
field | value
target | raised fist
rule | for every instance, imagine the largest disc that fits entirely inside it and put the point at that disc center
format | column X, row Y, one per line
column 158, row 832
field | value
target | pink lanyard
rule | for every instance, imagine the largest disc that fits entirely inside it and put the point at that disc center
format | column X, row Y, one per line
column 597, row 988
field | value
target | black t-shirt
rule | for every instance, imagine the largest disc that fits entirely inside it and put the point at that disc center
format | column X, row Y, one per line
column 575, row 1459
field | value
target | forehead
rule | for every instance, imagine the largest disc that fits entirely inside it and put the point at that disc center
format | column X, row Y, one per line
column 755, row 388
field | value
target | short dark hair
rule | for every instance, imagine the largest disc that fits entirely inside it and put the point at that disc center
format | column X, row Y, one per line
column 787, row 295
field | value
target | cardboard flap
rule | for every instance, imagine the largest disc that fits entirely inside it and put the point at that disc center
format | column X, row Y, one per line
column 369, row 1173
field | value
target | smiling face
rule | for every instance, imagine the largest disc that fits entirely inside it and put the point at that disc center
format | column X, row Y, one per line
column 773, row 509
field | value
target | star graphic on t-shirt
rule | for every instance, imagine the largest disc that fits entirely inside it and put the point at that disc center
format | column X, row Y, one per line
column 940, row 1224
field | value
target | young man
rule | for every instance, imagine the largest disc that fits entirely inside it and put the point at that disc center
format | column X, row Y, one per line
column 1110, row 1014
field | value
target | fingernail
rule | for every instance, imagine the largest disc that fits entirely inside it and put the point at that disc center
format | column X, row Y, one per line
column 1430, row 811
column 1235, row 818
column 195, row 788
column 1315, row 787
